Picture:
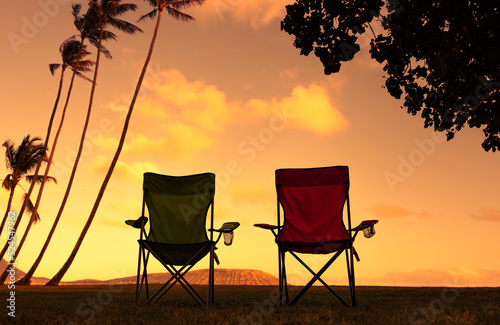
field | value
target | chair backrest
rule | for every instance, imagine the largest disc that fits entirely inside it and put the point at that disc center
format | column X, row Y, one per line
column 178, row 207
column 312, row 201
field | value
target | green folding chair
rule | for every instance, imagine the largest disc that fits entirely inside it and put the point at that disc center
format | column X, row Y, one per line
column 177, row 238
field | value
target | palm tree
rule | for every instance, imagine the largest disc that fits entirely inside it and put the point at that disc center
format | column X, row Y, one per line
column 71, row 51
column 85, row 32
column 20, row 161
column 91, row 26
column 99, row 15
column 173, row 8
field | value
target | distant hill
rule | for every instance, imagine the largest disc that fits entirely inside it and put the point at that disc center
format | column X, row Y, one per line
column 20, row 274
column 221, row 277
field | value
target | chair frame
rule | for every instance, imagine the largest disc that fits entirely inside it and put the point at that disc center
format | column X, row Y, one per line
column 348, row 247
column 177, row 274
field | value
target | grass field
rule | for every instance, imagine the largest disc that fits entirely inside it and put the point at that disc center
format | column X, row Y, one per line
column 252, row 305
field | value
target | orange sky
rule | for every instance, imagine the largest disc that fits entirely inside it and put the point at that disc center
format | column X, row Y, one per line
column 230, row 94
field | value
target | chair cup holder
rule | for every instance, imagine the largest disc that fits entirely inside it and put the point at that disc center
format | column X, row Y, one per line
column 369, row 232
column 228, row 238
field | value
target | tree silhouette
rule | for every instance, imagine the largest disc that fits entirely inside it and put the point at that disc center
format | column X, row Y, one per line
column 87, row 31
column 20, row 161
column 442, row 57
column 173, row 8
column 72, row 52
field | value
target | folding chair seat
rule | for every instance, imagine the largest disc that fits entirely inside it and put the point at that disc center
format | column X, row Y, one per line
column 177, row 238
column 313, row 203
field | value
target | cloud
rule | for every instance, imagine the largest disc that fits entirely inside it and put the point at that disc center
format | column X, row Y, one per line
column 257, row 13
column 181, row 118
column 133, row 171
column 314, row 111
column 487, row 214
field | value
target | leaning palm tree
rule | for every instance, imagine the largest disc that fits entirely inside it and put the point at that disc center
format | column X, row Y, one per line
column 72, row 52
column 172, row 7
column 100, row 14
column 86, row 31
column 20, row 161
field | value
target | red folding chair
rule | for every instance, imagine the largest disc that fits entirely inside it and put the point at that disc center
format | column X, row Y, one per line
column 313, row 202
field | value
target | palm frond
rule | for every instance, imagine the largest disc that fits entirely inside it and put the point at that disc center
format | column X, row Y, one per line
column 75, row 9
column 9, row 153
column 179, row 15
column 30, row 207
column 39, row 178
column 149, row 15
column 183, row 4
column 84, row 77
column 108, row 35
column 154, row 3
column 66, row 43
column 124, row 26
column 7, row 182
column 106, row 52
column 53, row 67
column 124, row 8
column 30, row 178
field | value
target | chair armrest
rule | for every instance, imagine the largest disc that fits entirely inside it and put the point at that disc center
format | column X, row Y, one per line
column 137, row 223
column 265, row 226
column 365, row 224
column 227, row 227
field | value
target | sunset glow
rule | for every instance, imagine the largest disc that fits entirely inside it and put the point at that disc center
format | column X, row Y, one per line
column 229, row 94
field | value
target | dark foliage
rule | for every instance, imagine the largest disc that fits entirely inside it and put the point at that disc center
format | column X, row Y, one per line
column 442, row 57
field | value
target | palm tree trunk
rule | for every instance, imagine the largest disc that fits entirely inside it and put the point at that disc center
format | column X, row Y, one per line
column 18, row 250
column 82, row 140
column 9, row 204
column 26, row 279
column 59, row 275
column 16, row 225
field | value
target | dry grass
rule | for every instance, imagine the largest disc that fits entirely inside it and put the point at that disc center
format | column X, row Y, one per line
column 253, row 305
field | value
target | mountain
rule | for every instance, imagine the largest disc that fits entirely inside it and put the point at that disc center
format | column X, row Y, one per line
column 20, row 274
column 221, row 277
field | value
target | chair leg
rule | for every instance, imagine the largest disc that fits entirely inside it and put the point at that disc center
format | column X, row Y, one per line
column 352, row 284
column 280, row 275
column 316, row 277
column 211, row 296
column 137, row 287
column 285, row 282
column 145, row 277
